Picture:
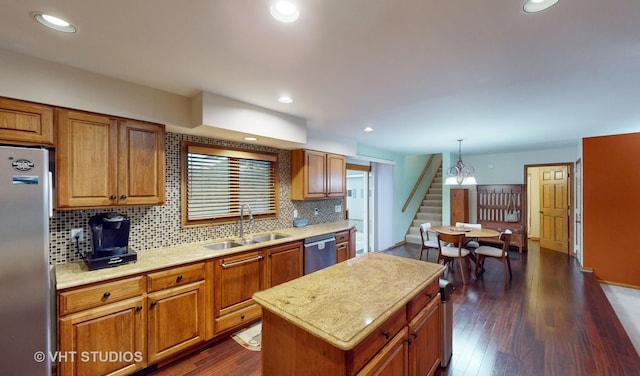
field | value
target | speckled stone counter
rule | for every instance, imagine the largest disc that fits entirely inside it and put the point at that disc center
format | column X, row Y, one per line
column 76, row 273
column 344, row 303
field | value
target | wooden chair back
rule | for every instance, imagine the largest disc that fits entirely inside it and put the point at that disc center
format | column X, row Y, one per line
column 506, row 242
column 457, row 239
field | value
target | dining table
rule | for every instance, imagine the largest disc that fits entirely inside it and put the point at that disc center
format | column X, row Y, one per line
column 469, row 234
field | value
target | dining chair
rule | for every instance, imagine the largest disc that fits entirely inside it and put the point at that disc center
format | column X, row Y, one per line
column 447, row 254
column 427, row 244
column 472, row 243
column 485, row 251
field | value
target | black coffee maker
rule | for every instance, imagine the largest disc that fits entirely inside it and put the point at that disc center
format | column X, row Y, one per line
column 109, row 234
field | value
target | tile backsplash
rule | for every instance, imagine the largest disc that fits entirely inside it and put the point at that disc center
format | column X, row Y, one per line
column 159, row 226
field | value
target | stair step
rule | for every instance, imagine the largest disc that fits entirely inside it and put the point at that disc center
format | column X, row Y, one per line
column 429, row 211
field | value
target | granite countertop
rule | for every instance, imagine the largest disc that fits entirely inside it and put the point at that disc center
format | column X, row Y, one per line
column 344, row 303
column 75, row 274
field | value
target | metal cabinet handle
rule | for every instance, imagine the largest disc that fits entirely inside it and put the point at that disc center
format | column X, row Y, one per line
column 153, row 303
column 236, row 263
column 179, row 278
column 123, row 197
column 386, row 334
column 106, row 295
column 429, row 295
column 415, row 334
column 242, row 317
column 112, row 197
column 139, row 308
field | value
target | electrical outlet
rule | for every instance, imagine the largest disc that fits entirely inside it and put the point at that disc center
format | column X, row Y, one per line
column 316, row 211
column 77, row 232
column 338, row 209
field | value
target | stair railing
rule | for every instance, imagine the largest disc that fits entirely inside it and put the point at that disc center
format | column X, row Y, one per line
column 417, row 184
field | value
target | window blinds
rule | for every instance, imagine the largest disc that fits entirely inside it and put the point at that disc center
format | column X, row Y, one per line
column 219, row 181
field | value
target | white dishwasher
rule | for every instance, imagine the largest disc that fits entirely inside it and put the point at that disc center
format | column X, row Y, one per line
column 319, row 252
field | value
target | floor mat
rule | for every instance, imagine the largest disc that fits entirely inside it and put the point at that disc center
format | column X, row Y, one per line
column 250, row 338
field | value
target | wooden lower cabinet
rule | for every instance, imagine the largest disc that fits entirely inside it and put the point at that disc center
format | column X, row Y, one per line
column 235, row 279
column 109, row 339
column 424, row 336
column 284, row 263
column 176, row 320
column 406, row 343
column 345, row 245
column 391, row 360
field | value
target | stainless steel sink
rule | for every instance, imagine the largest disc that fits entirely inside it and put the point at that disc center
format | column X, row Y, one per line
column 224, row 244
column 268, row 237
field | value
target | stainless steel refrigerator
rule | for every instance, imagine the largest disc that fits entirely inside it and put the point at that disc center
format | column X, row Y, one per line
column 25, row 311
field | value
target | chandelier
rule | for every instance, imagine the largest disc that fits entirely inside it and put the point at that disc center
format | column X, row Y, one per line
column 460, row 174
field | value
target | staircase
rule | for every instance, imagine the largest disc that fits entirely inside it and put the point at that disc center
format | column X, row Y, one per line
column 429, row 211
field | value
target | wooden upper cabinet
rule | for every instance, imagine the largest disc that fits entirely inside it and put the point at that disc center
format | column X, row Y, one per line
column 317, row 175
column 25, row 123
column 141, row 163
column 336, row 175
column 103, row 161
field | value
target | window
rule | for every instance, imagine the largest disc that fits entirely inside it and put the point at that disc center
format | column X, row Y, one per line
column 217, row 181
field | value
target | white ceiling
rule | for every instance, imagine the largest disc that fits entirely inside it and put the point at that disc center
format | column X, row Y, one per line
column 423, row 73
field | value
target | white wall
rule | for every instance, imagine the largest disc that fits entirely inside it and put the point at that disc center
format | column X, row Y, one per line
column 28, row 78
column 502, row 168
column 508, row 168
column 36, row 80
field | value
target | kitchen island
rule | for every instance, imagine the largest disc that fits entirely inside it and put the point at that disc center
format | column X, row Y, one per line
column 372, row 313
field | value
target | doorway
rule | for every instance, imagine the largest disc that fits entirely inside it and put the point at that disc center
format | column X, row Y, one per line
column 359, row 204
column 549, row 197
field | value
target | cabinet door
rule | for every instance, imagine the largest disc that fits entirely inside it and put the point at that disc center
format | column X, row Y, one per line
column 25, row 122
column 391, row 360
column 176, row 320
column 236, row 279
column 315, row 186
column 459, row 206
column 86, row 160
column 336, row 178
column 342, row 251
column 105, row 340
column 424, row 333
column 284, row 263
column 141, row 163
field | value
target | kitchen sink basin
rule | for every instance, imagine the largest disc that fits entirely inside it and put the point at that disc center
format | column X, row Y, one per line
column 224, row 244
column 268, row 237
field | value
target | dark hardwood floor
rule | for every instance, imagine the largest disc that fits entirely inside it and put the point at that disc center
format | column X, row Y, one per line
column 551, row 319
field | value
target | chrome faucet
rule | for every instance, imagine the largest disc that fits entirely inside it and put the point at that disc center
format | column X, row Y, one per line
column 242, row 219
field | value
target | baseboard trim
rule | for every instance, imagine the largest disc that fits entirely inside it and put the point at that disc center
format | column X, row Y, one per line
column 620, row 284
column 586, row 270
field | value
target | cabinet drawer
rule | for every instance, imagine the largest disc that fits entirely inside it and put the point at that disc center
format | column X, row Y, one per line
column 342, row 236
column 237, row 318
column 369, row 347
column 422, row 299
column 175, row 277
column 104, row 293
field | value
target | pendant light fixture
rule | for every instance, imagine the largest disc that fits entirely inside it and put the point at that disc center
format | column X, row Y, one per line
column 460, row 174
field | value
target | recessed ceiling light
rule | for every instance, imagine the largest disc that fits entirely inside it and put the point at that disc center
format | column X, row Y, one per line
column 285, row 99
column 285, row 11
column 367, row 129
column 249, row 138
column 54, row 23
column 533, row 6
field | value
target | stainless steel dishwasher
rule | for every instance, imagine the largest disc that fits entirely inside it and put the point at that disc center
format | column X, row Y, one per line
column 319, row 252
